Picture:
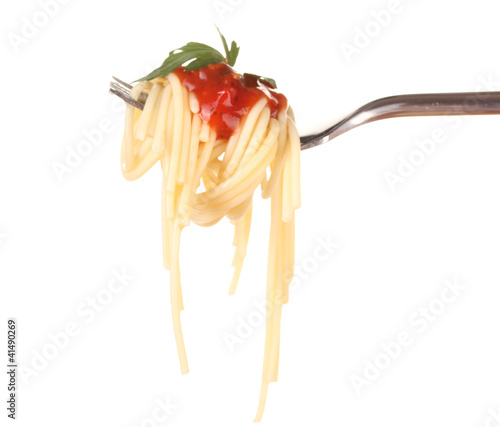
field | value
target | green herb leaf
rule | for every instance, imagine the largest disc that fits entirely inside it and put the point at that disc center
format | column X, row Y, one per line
column 231, row 54
column 268, row 80
column 198, row 55
column 272, row 82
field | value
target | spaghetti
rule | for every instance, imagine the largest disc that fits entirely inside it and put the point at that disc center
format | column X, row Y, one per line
column 231, row 133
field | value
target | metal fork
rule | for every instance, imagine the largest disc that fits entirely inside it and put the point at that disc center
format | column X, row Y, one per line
column 425, row 104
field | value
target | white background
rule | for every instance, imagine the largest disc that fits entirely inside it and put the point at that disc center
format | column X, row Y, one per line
column 62, row 238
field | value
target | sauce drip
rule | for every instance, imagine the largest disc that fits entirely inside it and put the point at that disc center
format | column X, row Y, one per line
column 225, row 96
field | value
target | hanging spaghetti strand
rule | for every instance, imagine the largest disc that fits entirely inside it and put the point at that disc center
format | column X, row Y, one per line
column 209, row 173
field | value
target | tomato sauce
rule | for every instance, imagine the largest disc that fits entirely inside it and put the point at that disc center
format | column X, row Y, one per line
column 225, row 96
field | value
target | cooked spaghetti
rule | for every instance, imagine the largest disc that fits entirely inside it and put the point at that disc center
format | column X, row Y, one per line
column 218, row 136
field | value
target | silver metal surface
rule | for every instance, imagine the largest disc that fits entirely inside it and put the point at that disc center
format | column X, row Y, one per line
column 122, row 89
column 426, row 104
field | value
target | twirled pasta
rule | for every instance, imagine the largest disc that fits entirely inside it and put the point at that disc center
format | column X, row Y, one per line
column 263, row 150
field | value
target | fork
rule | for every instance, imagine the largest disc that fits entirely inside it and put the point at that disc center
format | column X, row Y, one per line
column 413, row 105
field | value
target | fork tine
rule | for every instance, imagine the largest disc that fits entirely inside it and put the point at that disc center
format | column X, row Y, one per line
column 120, row 88
column 122, row 83
column 118, row 91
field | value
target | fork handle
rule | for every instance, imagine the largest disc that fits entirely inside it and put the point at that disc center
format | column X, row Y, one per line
column 425, row 104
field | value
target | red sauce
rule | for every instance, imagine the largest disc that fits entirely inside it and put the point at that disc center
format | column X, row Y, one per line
column 225, row 96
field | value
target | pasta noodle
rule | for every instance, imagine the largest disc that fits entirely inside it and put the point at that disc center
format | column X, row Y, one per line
column 262, row 150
